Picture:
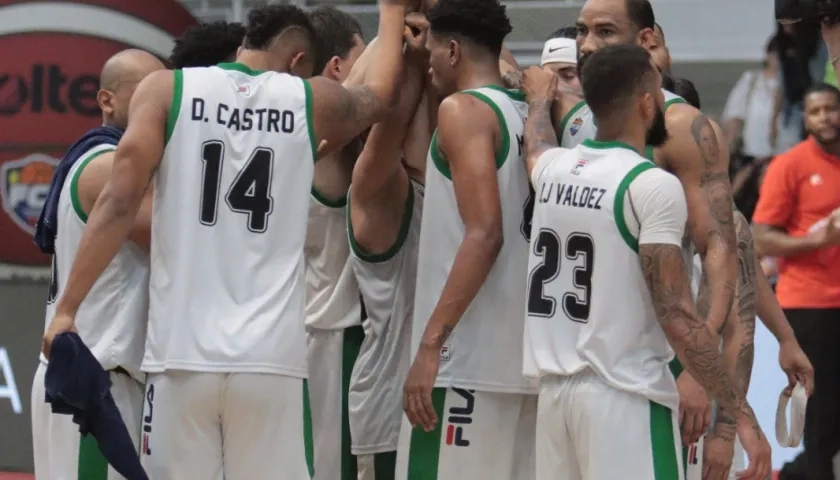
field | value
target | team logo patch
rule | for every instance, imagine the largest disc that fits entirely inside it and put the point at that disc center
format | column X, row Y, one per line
column 578, row 166
column 576, row 124
column 245, row 91
column 24, row 188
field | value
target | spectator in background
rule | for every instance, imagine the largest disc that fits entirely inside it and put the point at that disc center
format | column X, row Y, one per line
column 802, row 60
column 797, row 222
column 748, row 111
column 560, row 56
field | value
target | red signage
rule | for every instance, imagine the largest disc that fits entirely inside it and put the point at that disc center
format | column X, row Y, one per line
column 48, row 92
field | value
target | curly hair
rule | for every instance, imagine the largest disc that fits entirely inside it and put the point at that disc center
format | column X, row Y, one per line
column 207, row 44
column 484, row 22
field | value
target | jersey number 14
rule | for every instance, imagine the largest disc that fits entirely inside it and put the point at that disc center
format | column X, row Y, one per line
column 576, row 304
column 249, row 193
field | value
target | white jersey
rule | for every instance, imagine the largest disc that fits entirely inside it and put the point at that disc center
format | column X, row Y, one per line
column 589, row 306
column 484, row 350
column 332, row 294
column 579, row 123
column 112, row 318
column 388, row 284
column 231, row 199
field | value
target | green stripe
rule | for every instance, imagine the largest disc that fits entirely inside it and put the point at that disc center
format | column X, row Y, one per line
column 352, row 343
column 323, row 200
column 402, row 234
column 618, row 204
column 308, row 444
column 673, row 101
column 676, row 367
column 664, row 446
column 175, row 107
column 424, row 451
column 92, row 465
column 310, row 116
column 566, row 119
column 385, row 466
column 75, row 200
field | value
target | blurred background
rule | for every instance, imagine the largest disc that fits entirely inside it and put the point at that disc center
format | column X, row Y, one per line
column 47, row 100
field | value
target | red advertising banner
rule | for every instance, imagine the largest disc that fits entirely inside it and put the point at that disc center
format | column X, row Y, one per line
column 48, row 92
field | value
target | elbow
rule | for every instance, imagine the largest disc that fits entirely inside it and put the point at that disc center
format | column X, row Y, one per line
column 488, row 239
column 119, row 202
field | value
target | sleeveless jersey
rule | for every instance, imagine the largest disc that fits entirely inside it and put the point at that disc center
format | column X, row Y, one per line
column 484, row 351
column 332, row 294
column 112, row 318
column 579, row 123
column 388, row 283
column 588, row 302
column 231, row 201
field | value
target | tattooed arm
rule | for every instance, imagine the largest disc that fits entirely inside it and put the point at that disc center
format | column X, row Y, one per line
column 540, row 88
column 697, row 155
column 339, row 114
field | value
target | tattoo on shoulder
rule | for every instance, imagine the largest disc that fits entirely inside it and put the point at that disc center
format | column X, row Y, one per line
column 512, row 79
column 706, row 140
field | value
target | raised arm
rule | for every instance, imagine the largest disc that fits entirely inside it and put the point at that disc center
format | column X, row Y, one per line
column 112, row 218
column 339, row 114
column 698, row 156
column 380, row 183
column 540, row 88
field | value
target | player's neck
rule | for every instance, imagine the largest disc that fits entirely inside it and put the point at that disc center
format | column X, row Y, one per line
column 259, row 61
column 622, row 136
column 478, row 75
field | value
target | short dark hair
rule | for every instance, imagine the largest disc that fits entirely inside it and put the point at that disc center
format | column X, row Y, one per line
column 686, row 89
column 207, row 44
column 668, row 82
column 266, row 23
column 822, row 88
column 335, row 33
column 640, row 13
column 772, row 45
column 484, row 22
column 661, row 30
column 565, row 32
column 613, row 75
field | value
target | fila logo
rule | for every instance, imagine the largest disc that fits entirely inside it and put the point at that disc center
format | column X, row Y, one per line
column 145, row 449
column 459, row 417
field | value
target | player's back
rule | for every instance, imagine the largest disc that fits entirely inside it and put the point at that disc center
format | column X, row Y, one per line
column 588, row 303
column 230, row 209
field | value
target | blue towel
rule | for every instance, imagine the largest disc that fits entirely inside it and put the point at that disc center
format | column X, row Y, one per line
column 77, row 385
column 47, row 226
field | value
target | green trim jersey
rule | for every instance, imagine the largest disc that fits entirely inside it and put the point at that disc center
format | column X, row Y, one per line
column 579, row 123
column 484, row 350
column 388, row 282
column 332, row 293
column 231, row 198
column 112, row 318
column 589, row 306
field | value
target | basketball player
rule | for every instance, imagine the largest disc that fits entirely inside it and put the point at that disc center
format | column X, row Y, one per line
column 659, row 51
column 383, row 221
column 601, row 362
column 113, row 330
column 470, row 412
column 333, row 309
column 225, row 348
column 207, row 44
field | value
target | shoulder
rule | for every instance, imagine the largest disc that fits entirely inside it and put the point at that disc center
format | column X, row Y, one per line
column 463, row 113
column 788, row 161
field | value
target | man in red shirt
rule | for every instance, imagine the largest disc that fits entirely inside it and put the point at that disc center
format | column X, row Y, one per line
column 795, row 221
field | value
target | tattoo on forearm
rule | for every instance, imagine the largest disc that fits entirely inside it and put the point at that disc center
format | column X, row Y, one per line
column 539, row 132
column 746, row 301
column 665, row 274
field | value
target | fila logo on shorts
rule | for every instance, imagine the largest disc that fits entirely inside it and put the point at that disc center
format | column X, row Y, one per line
column 145, row 449
column 459, row 417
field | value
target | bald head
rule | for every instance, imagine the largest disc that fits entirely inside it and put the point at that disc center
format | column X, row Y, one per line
column 119, row 78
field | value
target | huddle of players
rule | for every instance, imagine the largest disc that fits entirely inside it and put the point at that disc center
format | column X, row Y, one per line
column 446, row 279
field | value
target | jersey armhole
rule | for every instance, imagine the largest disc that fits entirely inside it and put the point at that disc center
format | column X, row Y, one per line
column 673, row 101
column 175, row 106
column 310, row 115
column 75, row 200
column 504, row 148
column 618, row 204
column 402, row 234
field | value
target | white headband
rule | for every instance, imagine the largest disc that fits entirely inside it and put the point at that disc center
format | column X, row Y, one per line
column 559, row 50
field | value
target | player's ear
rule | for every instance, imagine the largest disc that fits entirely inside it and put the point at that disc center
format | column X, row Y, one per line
column 301, row 66
column 645, row 37
column 333, row 68
column 105, row 99
column 454, row 52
